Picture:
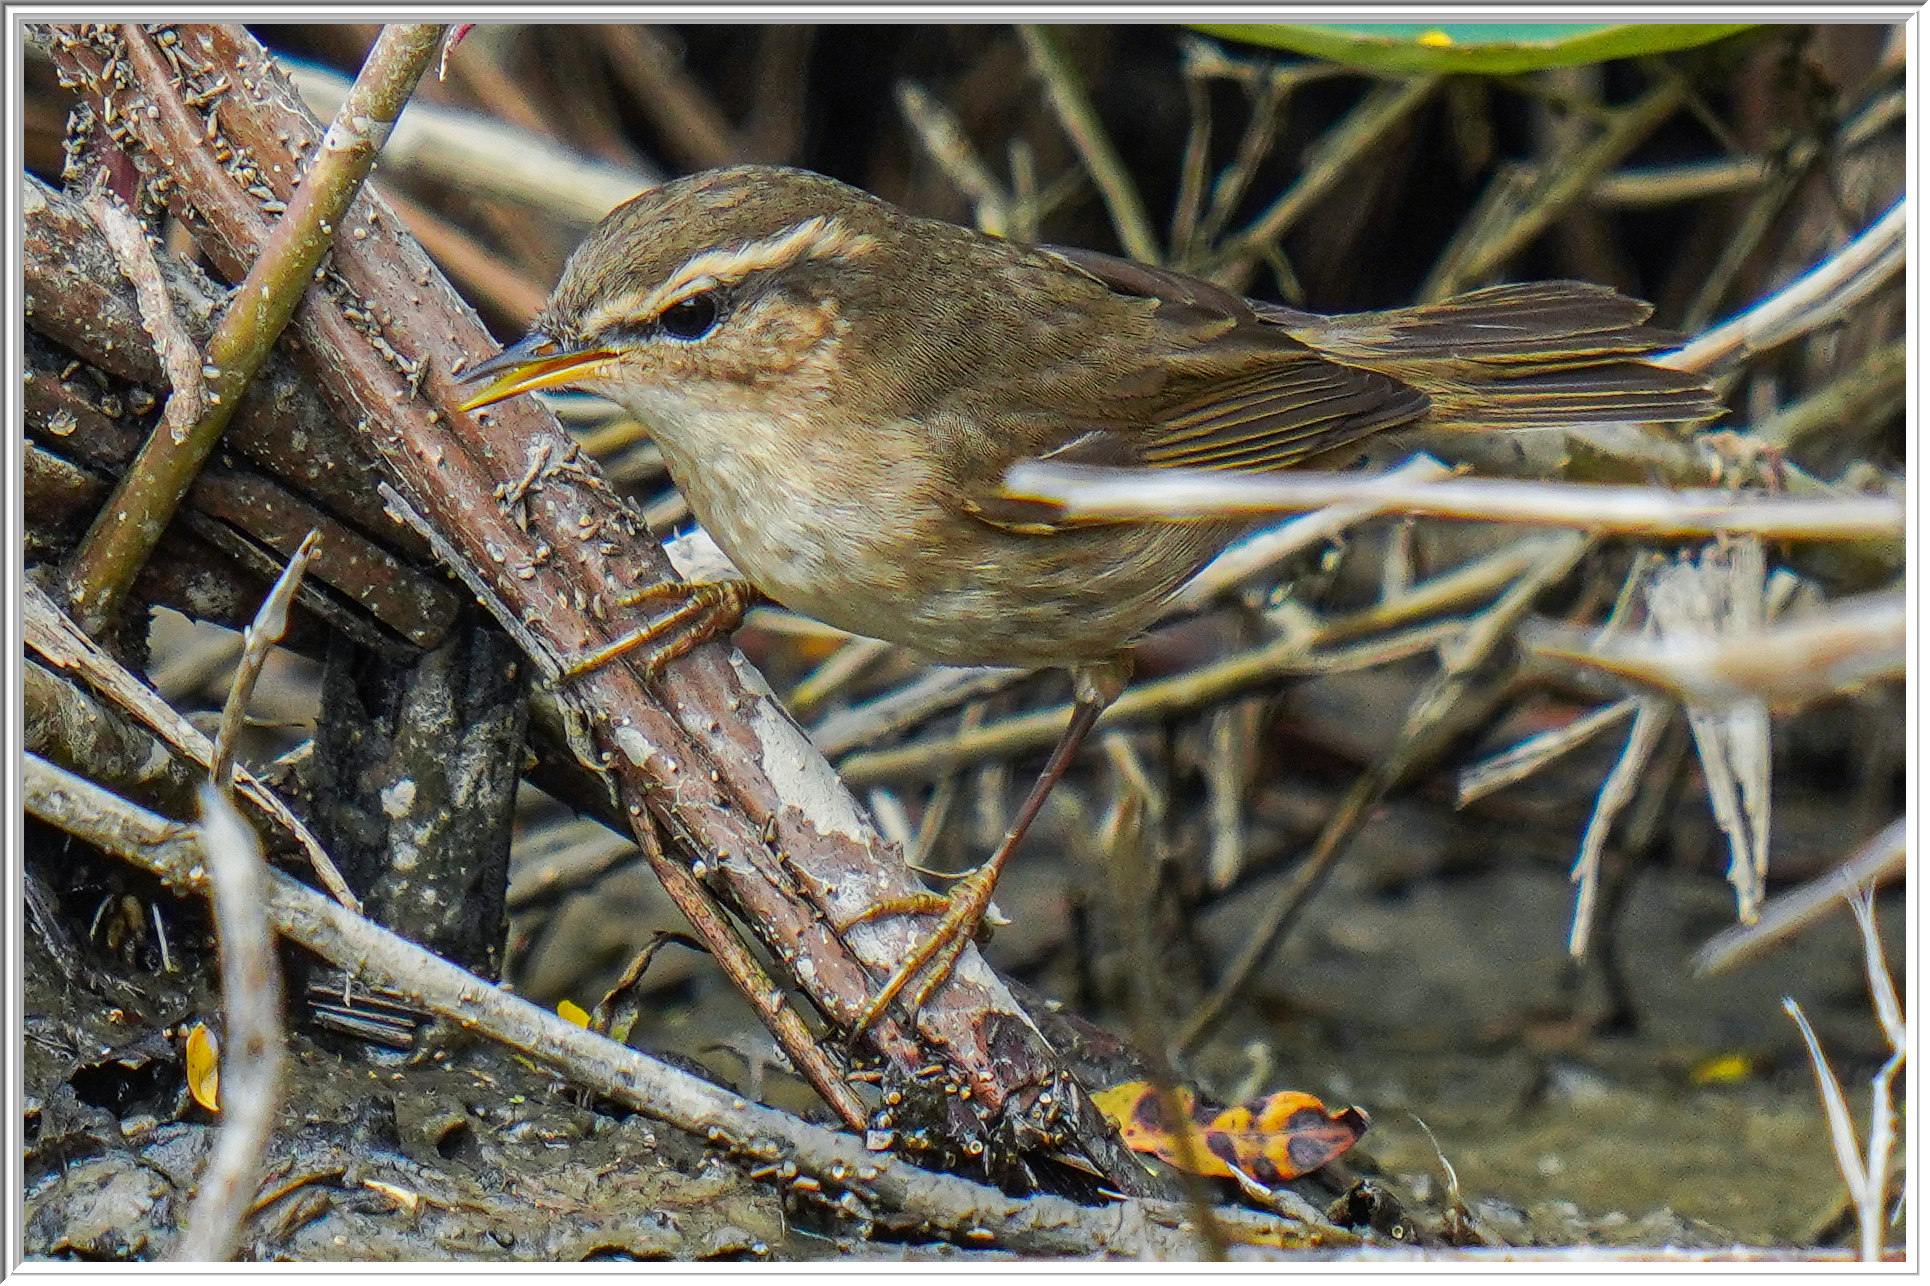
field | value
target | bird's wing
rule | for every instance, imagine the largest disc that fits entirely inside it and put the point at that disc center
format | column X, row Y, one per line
column 1206, row 384
column 1227, row 383
column 1240, row 391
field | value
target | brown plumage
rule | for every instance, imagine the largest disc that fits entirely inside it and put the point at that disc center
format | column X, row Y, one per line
column 844, row 427
column 839, row 388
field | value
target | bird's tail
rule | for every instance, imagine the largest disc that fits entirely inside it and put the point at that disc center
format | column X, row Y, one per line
column 1536, row 355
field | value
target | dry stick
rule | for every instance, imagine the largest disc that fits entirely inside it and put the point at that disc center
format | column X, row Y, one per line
column 1859, row 400
column 1843, row 645
column 1741, row 241
column 952, row 1206
column 1265, row 550
column 1651, row 719
column 1781, row 182
column 1823, row 293
column 1474, row 259
column 1889, row 1014
column 1369, row 122
column 693, row 128
column 938, row 128
column 1189, row 691
column 1095, row 491
column 1878, row 860
column 1081, row 123
column 1866, row 1180
column 939, row 688
column 797, row 1041
column 1525, row 758
column 1425, row 730
column 122, row 537
column 180, row 359
column 838, row 671
column 49, row 632
column 1295, row 654
column 487, row 158
column 1183, row 232
column 253, row 1050
column 1265, row 102
column 258, row 644
column 1668, row 184
column 565, row 857
column 1642, row 187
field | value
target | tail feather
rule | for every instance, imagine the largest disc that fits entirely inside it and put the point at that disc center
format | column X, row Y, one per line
column 1595, row 394
column 1531, row 355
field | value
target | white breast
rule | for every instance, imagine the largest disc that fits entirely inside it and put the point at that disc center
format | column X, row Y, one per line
column 809, row 527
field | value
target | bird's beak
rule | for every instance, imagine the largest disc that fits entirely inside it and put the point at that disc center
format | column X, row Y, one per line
column 536, row 361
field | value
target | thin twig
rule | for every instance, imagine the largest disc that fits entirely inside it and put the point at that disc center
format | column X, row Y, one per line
column 938, row 689
column 839, row 670
column 488, row 158
column 1820, row 295
column 1094, row 491
column 938, row 128
column 1182, row 234
column 1332, row 159
column 252, row 1051
column 1265, row 550
column 1471, row 260
column 1889, row 1012
column 257, row 645
column 1194, row 690
column 1877, row 860
column 1525, row 758
column 1265, row 103
column 1856, row 405
column 1848, row 643
column 180, row 359
column 1641, row 187
column 1081, row 124
column 1742, row 240
column 1651, row 718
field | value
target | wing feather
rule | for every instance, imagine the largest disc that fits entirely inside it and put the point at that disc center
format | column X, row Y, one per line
column 1232, row 384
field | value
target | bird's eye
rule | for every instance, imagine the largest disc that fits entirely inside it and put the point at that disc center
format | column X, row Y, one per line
column 691, row 318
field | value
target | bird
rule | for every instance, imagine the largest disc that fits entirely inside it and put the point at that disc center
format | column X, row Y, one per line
column 838, row 387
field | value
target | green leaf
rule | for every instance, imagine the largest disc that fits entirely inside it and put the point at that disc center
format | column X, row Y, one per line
column 1483, row 48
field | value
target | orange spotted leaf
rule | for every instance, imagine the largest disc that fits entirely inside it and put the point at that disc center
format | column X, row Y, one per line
column 1272, row 1139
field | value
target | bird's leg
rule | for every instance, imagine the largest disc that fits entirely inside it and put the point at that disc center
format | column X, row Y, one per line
column 707, row 610
column 1095, row 686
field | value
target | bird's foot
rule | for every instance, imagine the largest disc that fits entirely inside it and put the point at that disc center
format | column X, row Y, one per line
column 702, row 611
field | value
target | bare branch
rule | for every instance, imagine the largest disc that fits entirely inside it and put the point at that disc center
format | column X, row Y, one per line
column 252, row 1050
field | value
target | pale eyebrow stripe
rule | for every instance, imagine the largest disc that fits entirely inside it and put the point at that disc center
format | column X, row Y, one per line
column 818, row 237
